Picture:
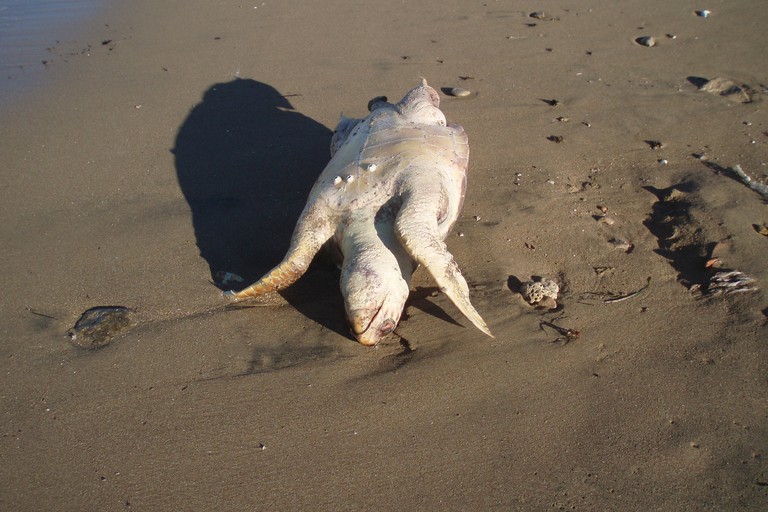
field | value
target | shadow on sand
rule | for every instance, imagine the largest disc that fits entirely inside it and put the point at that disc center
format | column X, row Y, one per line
column 245, row 161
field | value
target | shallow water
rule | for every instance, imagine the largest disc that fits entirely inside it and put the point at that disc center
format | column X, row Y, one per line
column 27, row 29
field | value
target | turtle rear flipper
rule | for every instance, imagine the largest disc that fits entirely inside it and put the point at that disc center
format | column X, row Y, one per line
column 417, row 228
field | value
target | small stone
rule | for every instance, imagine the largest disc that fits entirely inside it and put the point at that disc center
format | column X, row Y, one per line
column 703, row 13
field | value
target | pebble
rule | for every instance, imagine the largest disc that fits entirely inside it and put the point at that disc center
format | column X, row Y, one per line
column 459, row 92
column 703, row 13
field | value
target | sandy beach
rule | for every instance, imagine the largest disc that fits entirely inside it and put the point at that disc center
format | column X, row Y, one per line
column 175, row 141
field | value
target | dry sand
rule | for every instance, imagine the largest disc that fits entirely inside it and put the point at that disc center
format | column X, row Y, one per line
column 186, row 145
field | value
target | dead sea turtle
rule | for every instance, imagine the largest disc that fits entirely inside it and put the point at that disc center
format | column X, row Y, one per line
column 388, row 198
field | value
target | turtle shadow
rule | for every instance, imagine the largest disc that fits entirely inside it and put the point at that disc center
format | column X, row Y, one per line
column 245, row 162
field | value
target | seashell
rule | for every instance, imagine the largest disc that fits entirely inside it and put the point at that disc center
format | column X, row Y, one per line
column 458, row 92
column 646, row 41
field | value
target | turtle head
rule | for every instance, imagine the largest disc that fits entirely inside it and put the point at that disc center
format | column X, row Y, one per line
column 374, row 298
column 422, row 105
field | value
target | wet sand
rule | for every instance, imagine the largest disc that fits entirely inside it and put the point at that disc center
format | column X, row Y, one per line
column 186, row 145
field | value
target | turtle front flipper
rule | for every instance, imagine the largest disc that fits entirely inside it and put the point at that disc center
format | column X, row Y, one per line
column 312, row 231
column 424, row 201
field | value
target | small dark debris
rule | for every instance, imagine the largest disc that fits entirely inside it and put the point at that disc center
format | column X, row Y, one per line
column 466, row 77
column 654, row 144
column 551, row 103
column 566, row 335
column 405, row 57
column 37, row 313
column 106, row 42
column 555, row 138
column 543, row 16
